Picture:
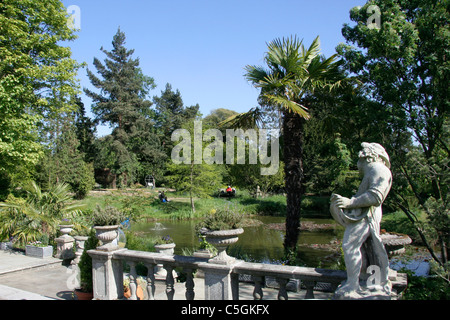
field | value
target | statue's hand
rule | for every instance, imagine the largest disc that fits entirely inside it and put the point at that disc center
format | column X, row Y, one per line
column 342, row 202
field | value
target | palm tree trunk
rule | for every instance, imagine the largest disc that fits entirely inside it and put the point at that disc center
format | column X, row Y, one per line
column 293, row 168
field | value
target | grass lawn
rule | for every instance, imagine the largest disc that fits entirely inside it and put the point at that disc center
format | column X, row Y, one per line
column 144, row 204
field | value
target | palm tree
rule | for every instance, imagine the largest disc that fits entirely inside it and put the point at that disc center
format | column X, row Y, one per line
column 294, row 73
column 39, row 214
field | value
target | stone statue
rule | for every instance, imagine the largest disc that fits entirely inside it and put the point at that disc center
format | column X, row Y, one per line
column 361, row 217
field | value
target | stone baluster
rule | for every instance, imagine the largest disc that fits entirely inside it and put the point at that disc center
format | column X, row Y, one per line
column 190, row 294
column 150, row 281
column 309, row 289
column 257, row 292
column 170, row 290
column 234, row 277
column 133, row 277
column 282, row 293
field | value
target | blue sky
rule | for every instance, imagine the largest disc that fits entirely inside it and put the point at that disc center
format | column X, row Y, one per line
column 201, row 47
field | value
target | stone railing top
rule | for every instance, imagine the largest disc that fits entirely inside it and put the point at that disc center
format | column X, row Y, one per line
column 159, row 258
column 290, row 272
column 241, row 267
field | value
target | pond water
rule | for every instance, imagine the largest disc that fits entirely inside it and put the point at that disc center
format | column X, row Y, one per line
column 260, row 243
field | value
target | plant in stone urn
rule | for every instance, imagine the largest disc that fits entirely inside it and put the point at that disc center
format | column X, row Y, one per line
column 165, row 245
column 222, row 229
column 106, row 224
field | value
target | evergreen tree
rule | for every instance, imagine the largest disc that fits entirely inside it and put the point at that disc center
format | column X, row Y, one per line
column 85, row 131
column 123, row 87
column 171, row 115
column 123, row 105
column 65, row 163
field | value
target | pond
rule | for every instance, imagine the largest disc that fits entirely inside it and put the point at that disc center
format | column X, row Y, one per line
column 262, row 242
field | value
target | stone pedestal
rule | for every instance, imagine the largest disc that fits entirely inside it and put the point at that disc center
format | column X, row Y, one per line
column 220, row 283
column 64, row 243
column 202, row 253
column 107, row 275
column 64, row 247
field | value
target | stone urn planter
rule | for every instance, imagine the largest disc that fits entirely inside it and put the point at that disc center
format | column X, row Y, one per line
column 106, row 224
column 79, row 247
column 66, row 229
column 221, row 239
column 394, row 243
column 107, row 235
column 164, row 248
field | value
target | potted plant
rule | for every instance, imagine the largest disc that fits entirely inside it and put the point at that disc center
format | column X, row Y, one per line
column 85, row 292
column 106, row 224
column 139, row 285
column 165, row 245
column 222, row 229
column 5, row 244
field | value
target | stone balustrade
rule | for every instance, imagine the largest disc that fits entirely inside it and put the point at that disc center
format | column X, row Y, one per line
column 221, row 281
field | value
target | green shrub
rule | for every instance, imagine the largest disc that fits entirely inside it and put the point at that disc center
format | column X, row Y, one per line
column 426, row 288
column 84, row 182
column 107, row 216
column 85, row 263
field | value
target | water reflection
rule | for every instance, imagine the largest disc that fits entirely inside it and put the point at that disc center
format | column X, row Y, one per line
column 258, row 243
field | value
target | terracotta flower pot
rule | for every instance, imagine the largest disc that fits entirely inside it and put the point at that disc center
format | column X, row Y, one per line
column 84, row 295
column 139, row 293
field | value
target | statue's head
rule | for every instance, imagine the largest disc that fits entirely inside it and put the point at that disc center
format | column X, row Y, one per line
column 374, row 152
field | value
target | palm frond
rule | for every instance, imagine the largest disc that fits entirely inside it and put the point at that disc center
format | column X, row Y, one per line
column 312, row 52
column 293, row 72
column 289, row 105
column 255, row 74
column 247, row 120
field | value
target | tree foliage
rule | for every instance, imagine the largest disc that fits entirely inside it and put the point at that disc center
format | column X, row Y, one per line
column 37, row 76
column 405, row 70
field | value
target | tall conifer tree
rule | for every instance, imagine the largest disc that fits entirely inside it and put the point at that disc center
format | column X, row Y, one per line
column 122, row 104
